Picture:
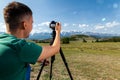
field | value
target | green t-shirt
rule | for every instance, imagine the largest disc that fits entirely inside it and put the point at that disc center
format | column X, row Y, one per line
column 15, row 54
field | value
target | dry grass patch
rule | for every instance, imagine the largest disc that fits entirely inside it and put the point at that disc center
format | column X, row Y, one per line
column 87, row 61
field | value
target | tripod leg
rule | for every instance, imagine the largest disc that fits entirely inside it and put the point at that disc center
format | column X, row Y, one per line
column 64, row 60
column 52, row 60
column 41, row 70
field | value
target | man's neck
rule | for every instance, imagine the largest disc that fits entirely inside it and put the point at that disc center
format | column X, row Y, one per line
column 17, row 34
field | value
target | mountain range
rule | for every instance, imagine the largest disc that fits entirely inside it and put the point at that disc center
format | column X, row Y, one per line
column 47, row 35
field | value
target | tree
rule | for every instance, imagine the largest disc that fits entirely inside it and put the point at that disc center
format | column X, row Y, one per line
column 97, row 40
column 65, row 40
column 84, row 40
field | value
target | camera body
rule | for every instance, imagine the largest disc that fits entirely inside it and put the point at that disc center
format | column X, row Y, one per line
column 53, row 25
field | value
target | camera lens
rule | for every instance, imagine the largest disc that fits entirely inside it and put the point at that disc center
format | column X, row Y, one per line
column 53, row 24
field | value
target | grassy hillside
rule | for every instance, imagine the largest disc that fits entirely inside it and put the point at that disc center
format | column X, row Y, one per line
column 87, row 61
column 112, row 39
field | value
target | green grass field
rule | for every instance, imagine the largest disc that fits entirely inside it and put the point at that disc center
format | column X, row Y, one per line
column 87, row 61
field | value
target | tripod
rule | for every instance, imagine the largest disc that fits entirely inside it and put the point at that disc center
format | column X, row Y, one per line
column 53, row 58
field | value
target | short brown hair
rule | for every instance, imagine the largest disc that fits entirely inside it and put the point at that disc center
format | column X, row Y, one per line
column 14, row 12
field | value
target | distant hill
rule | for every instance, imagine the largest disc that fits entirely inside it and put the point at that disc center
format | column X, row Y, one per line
column 78, row 37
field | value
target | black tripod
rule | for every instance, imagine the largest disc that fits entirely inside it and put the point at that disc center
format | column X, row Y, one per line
column 52, row 60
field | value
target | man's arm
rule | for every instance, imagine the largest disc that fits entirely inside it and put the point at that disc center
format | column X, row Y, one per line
column 49, row 51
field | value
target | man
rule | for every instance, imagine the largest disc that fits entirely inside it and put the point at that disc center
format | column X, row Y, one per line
column 15, row 52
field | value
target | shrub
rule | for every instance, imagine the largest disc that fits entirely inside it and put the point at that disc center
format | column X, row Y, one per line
column 65, row 40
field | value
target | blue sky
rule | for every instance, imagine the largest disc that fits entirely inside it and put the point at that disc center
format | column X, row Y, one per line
column 102, row 16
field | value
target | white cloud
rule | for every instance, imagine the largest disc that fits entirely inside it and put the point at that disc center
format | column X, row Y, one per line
column 83, row 25
column 74, row 24
column 99, row 27
column 107, row 25
column 65, row 24
column 2, row 27
column 112, row 24
column 44, row 24
column 41, row 27
column 103, row 19
column 115, row 5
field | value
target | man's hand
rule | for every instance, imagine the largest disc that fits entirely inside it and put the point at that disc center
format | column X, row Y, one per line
column 58, row 27
column 46, row 62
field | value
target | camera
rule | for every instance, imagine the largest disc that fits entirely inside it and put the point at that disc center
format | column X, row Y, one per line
column 52, row 25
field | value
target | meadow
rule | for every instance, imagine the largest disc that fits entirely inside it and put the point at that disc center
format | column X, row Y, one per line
column 87, row 61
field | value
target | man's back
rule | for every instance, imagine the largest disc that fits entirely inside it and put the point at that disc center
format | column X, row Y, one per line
column 11, row 66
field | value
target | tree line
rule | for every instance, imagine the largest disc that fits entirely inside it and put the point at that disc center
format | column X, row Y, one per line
column 113, row 39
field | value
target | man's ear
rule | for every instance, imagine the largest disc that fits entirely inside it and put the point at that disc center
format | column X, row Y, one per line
column 23, row 25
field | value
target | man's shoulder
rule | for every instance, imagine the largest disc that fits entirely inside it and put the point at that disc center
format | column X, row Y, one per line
column 8, row 38
column 11, row 41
